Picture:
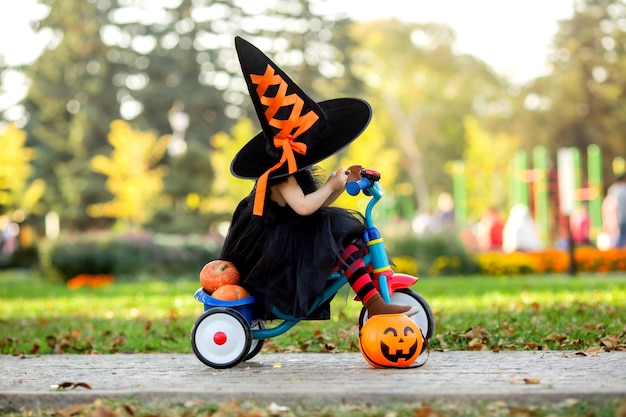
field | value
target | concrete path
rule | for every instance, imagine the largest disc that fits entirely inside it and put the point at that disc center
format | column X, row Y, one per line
column 311, row 378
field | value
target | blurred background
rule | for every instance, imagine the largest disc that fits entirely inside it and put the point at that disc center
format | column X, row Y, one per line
column 119, row 119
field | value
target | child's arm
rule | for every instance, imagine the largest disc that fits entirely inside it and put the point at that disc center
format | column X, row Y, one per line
column 331, row 199
column 303, row 204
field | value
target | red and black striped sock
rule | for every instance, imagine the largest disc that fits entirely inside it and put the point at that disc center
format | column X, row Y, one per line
column 356, row 273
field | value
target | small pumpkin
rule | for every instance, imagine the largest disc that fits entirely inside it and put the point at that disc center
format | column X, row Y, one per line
column 230, row 292
column 390, row 341
column 218, row 273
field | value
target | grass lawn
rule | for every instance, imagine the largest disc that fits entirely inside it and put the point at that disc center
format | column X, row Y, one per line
column 583, row 313
column 495, row 313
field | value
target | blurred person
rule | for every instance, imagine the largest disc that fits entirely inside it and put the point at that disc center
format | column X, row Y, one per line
column 520, row 232
column 579, row 223
column 10, row 232
column 609, row 233
column 489, row 231
column 617, row 191
column 443, row 219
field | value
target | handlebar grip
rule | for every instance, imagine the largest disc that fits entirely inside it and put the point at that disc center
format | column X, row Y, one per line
column 354, row 187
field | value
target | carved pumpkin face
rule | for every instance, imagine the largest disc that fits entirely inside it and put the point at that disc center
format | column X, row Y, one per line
column 390, row 341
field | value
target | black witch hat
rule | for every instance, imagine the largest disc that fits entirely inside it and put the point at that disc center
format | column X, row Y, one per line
column 297, row 132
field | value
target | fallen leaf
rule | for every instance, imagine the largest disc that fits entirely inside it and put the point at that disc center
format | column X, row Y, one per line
column 522, row 412
column 476, row 345
column 477, row 331
column 130, row 409
column 506, row 328
column 556, row 337
column 579, row 353
column 610, row 341
column 329, row 347
column 532, row 380
column 103, row 411
column 530, row 345
column 71, row 385
column 72, row 410
column 425, row 411
column 576, row 342
column 594, row 350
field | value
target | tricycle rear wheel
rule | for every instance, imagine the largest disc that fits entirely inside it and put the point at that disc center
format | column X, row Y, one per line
column 257, row 344
column 221, row 337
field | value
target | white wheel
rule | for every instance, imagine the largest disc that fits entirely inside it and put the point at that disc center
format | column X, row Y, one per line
column 424, row 318
column 221, row 337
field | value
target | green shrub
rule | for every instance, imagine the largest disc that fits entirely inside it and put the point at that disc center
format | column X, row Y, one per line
column 127, row 255
column 184, row 253
column 81, row 257
column 434, row 255
column 21, row 257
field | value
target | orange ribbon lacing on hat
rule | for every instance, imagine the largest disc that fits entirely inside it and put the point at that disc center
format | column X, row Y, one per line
column 284, row 139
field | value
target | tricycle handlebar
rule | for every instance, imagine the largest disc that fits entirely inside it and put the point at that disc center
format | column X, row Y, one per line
column 368, row 178
column 354, row 187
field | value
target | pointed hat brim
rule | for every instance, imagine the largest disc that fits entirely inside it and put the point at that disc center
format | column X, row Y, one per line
column 347, row 117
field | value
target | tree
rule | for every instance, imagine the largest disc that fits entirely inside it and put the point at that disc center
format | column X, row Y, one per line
column 16, row 190
column 172, row 54
column 582, row 102
column 370, row 151
column 134, row 176
column 487, row 159
column 186, row 54
column 421, row 91
column 227, row 190
column 70, row 103
column 158, row 55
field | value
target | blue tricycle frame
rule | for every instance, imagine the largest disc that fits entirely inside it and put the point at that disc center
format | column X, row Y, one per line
column 227, row 332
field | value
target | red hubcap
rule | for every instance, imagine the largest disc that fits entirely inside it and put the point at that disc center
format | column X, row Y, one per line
column 219, row 338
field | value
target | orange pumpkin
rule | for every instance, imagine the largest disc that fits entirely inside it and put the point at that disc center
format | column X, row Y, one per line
column 218, row 273
column 230, row 292
column 390, row 341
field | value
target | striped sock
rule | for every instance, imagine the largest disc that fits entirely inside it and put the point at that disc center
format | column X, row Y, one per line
column 356, row 273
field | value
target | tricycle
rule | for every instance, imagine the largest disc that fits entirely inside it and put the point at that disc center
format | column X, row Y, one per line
column 227, row 332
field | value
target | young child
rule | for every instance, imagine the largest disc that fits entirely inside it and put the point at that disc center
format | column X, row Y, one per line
column 284, row 237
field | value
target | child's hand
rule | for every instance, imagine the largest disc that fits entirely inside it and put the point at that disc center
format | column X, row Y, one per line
column 338, row 179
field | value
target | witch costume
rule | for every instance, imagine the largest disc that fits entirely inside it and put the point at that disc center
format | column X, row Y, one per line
column 284, row 258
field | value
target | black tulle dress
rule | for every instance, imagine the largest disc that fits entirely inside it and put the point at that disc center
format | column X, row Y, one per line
column 284, row 259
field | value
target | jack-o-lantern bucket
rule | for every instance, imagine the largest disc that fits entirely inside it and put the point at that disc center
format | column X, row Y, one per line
column 390, row 341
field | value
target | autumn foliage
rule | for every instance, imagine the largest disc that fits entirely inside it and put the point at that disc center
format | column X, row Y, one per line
column 134, row 175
